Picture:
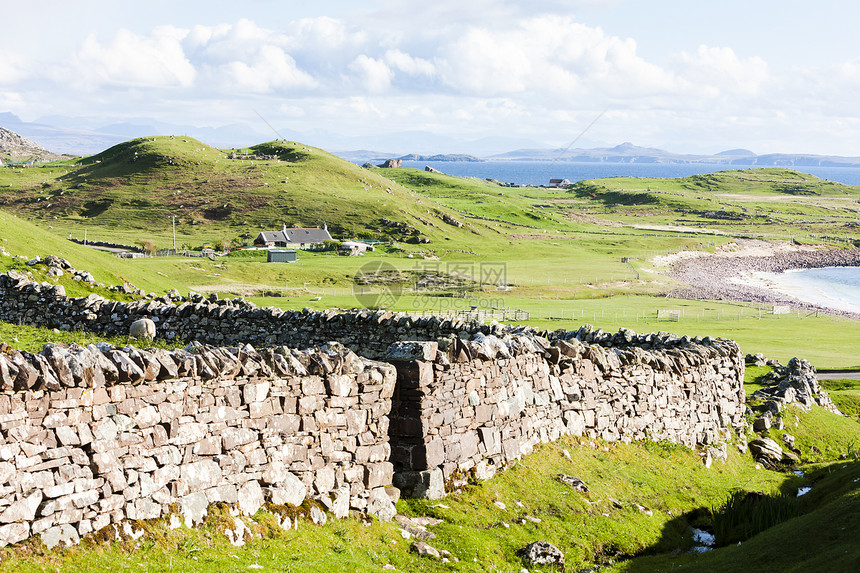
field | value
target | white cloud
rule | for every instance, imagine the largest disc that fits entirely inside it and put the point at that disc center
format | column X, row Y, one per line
column 407, row 64
column 132, row 60
column 547, row 58
column 11, row 72
column 719, row 71
column 270, row 69
column 373, row 75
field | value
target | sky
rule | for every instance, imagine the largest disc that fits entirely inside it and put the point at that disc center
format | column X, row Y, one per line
column 689, row 77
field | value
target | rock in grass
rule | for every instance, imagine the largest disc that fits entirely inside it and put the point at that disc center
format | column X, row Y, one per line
column 766, row 451
column 60, row 535
column 573, row 482
column 542, row 553
column 425, row 550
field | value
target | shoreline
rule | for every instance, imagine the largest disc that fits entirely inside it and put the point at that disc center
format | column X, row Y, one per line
column 730, row 274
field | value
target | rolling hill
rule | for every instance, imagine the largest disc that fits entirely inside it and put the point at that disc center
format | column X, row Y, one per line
column 133, row 189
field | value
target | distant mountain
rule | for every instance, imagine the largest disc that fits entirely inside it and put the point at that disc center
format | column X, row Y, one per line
column 629, row 153
column 440, row 157
column 364, row 156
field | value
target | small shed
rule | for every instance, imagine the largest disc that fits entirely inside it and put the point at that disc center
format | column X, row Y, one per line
column 281, row 256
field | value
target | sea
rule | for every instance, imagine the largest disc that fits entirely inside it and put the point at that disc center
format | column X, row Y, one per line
column 830, row 287
column 833, row 287
column 540, row 172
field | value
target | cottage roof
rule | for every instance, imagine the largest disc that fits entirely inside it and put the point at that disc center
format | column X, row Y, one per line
column 295, row 235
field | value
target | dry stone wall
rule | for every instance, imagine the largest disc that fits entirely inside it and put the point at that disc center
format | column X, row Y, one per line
column 221, row 323
column 97, row 435
column 486, row 402
column 92, row 436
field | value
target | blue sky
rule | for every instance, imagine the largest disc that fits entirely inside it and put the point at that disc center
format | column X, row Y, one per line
column 770, row 76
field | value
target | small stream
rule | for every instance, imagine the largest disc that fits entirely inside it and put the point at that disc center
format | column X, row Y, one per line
column 704, row 541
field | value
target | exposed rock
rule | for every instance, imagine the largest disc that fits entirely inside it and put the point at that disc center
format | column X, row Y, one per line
column 766, row 451
column 425, row 550
column 573, row 482
column 542, row 553
column 796, row 382
column 63, row 534
column 380, row 505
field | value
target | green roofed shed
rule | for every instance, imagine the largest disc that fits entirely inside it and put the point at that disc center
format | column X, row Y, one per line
column 281, row 256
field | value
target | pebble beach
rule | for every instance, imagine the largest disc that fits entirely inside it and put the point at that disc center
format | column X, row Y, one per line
column 734, row 273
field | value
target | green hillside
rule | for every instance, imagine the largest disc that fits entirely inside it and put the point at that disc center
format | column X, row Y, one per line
column 132, row 190
column 568, row 256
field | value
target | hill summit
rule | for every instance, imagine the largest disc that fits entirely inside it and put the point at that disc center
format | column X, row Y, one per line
column 13, row 147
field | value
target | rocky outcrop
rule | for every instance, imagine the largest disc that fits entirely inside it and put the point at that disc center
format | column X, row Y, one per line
column 13, row 147
column 795, row 383
column 542, row 553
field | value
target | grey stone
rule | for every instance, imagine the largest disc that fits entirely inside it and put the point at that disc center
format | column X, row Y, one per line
column 542, row 553
column 409, row 351
column 200, row 475
column 766, row 451
column 24, row 509
column 13, row 533
column 380, row 505
column 428, row 484
column 250, row 498
column 573, row 482
column 290, row 491
column 425, row 550
column 194, row 507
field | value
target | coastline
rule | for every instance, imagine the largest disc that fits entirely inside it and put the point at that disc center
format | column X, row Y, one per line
column 736, row 273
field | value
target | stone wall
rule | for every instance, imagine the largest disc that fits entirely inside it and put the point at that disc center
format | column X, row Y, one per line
column 221, row 323
column 91, row 436
column 97, row 435
column 486, row 402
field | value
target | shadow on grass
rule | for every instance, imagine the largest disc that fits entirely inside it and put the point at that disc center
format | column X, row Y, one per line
column 817, row 531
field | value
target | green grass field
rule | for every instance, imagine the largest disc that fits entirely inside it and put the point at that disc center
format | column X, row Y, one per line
column 567, row 257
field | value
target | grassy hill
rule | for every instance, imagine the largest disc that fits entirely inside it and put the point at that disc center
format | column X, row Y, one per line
column 132, row 190
column 569, row 256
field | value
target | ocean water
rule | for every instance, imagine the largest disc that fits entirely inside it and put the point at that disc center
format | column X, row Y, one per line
column 540, row 172
column 832, row 287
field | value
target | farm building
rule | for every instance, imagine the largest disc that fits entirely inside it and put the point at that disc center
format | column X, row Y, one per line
column 559, row 183
column 293, row 237
column 281, row 256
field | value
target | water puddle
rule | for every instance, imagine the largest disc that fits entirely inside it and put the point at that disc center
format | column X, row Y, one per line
column 803, row 491
column 705, row 541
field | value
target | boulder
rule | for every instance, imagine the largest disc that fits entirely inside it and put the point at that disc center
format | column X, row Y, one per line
column 143, row 329
column 290, row 491
column 766, row 451
column 380, row 505
column 425, row 550
column 63, row 534
column 542, row 553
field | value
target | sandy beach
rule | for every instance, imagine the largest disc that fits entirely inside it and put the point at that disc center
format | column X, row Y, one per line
column 739, row 270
